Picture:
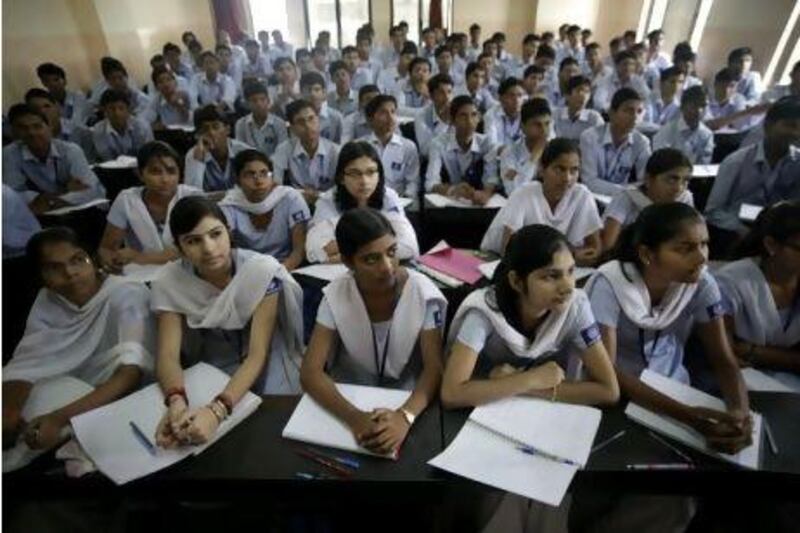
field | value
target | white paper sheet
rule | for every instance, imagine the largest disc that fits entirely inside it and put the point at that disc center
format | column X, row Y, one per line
column 322, row 271
column 181, row 127
column 749, row 457
column 705, row 171
column 749, row 212
column 123, row 161
column 604, row 199
column 107, row 438
column 311, row 423
column 760, row 381
column 439, row 200
column 80, row 207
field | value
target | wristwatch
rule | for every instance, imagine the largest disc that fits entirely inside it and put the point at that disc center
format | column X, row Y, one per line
column 408, row 416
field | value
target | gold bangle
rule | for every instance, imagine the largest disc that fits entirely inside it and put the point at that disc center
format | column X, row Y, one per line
column 555, row 392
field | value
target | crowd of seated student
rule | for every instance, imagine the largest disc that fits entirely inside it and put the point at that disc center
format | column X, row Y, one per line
column 311, row 156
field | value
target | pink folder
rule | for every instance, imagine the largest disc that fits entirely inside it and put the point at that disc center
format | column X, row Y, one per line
column 455, row 263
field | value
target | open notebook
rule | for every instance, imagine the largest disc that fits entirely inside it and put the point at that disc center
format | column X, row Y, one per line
column 748, row 458
column 311, row 423
column 106, row 436
column 487, row 450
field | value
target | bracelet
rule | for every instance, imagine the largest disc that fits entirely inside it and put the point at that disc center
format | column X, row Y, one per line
column 217, row 410
column 555, row 392
column 226, row 402
column 175, row 391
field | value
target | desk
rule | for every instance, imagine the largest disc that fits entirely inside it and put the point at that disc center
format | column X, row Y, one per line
column 115, row 180
column 460, row 227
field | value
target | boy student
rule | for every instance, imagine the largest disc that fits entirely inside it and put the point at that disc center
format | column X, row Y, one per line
column 228, row 65
column 372, row 65
column 572, row 119
column 519, row 162
column 119, row 133
column 61, row 128
column 280, row 48
column 305, row 160
column 748, row 82
column 319, row 60
column 545, row 59
column 445, row 64
column 533, row 82
column 73, row 103
column 355, row 125
column 288, row 89
column 487, row 63
column 615, row 154
column 683, row 58
column 256, row 64
column 358, row 74
column 760, row 174
column 172, row 56
column 496, row 71
column 208, row 165
column 593, row 67
column 657, row 60
column 686, row 132
column 343, row 98
column 566, row 69
column 530, row 45
column 260, row 129
column 728, row 108
column 169, row 106
column 391, row 54
column 664, row 104
column 428, row 48
column 502, row 123
column 475, row 87
column 312, row 87
column 790, row 89
column 434, row 120
column 390, row 77
column 412, row 93
column 48, row 172
column 463, row 163
column 572, row 47
column 212, row 87
column 115, row 76
column 398, row 155
column 624, row 76
column 474, row 49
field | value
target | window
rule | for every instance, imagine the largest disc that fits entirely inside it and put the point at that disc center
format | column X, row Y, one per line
column 268, row 15
column 447, row 10
column 407, row 10
column 322, row 17
column 353, row 14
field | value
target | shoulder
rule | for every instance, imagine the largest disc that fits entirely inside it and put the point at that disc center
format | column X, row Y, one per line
column 125, row 294
column 239, row 146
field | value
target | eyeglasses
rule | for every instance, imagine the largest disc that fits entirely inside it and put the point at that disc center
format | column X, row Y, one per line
column 357, row 174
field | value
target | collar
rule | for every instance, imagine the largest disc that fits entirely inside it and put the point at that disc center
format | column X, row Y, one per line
column 373, row 139
column 251, row 121
column 111, row 131
column 608, row 140
column 300, row 151
column 453, row 146
column 210, row 156
column 54, row 152
column 583, row 114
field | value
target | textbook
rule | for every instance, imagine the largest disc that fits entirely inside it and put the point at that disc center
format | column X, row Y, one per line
column 123, row 161
column 108, row 438
column 454, row 263
column 748, row 457
column 527, row 446
column 312, row 423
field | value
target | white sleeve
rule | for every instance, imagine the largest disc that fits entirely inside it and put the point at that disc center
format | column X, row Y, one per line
column 319, row 235
column 194, row 170
column 407, row 244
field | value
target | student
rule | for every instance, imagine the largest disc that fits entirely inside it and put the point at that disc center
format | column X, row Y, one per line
column 319, row 65
column 571, row 120
column 594, row 68
column 390, row 77
column 428, row 46
column 530, row 45
column 687, row 132
column 264, row 216
column 760, row 295
column 624, row 76
column 355, row 125
column 434, row 120
column 119, row 133
column 172, row 57
column 392, row 53
column 94, row 328
column 474, row 49
column 533, row 82
column 649, row 299
column 663, row 106
column 360, row 182
column 288, row 88
column 760, row 174
column 666, row 180
column 412, row 94
column 684, row 58
column 229, row 66
column 280, row 47
column 615, row 154
column 727, row 107
column 213, row 87
column 208, row 164
column 572, row 47
column 306, row 160
column 115, row 76
column 519, row 162
column 463, row 163
column 60, row 127
column 371, row 63
column 556, row 92
column 382, row 309
column 48, row 172
column 748, row 81
column 475, row 88
column 234, row 309
column 657, row 60
column 260, row 129
column 504, row 57
column 139, row 216
column 779, row 91
column 312, row 87
column 488, row 63
column 343, row 98
column 256, row 66
column 502, row 123
column 359, row 72
column 445, row 64
column 529, row 332
column 555, row 199
column 19, row 223
column 399, row 156
column 170, row 106
column 73, row 104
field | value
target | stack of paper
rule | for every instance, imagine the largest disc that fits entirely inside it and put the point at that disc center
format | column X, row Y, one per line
column 749, row 213
column 705, row 171
column 123, row 161
column 557, row 437
column 106, row 435
column 311, row 423
column 454, row 263
column 439, row 200
column 757, row 380
column 325, row 272
column 748, row 457
column 603, row 199
column 73, row 208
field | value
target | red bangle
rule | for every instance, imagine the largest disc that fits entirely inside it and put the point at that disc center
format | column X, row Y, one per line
column 226, row 401
column 172, row 391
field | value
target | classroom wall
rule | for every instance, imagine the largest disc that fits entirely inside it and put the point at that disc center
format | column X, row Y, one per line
column 513, row 17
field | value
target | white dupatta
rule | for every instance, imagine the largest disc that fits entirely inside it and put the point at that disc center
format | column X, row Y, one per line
column 641, row 200
column 141, row 222
column 235, row 198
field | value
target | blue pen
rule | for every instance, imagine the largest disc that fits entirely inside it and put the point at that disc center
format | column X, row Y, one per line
column 533, row 451
column 346, row 461
column 142, row 438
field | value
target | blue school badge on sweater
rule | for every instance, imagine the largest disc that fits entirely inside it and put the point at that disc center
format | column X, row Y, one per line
column 591, row 334
column 715, row 310
column 273, row 287
column 437, row 318
column 299, row 216
column 397, row 165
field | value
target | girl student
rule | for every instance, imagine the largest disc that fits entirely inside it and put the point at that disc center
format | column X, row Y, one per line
column 232, row 308
column 666, row 179
column 555, row 199
column 360, row 182
column 138, row 221
column 86, row 332
column 761, row 295
column 264, row 216
column 383, row 323
column 649, row 299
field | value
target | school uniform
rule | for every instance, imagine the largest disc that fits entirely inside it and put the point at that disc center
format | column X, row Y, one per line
column 30, row 176
column 572, row 127
column 390, row 57
column 138, row 100
column 746, row 177
column 264, row 138
column 518, row 67
column 364, row 75
column 400, row 161
column 346, row 104
column 392, row 344
column 608, row 86
column 657, row 112
column 295, row 167
column 651, row 337
column 281, row 50
column 260, row 69
column 626, row 205
column 75, row 107
column 575, row 216
column 207, row 174
column 606, row 169
column 280, row 98
column 736, row 104
column 322, row 228
column 287, row 208
column 217, row 322
column 159, row 110
column 129, row 213
column 19, row 223
column 750, row 87
column 458, row 75
column 578, row 54
column 330, row 123
column 389, row 80
column 449, row 163
column 409, row 101
column 517, row 159
column 428, row 125
column 473, row 52
column 597, row 76
column 747, row 299
column 691, row 81
column 483, row 97
column 501, row 128
column 697, row 144
column 234, row 70
column 221, row 90
column 355, row 126
column 108, row 143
